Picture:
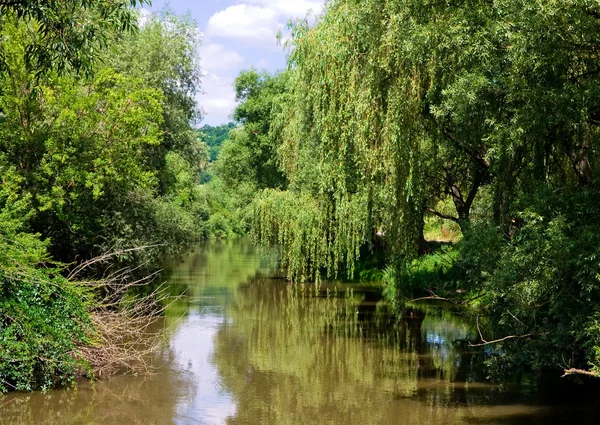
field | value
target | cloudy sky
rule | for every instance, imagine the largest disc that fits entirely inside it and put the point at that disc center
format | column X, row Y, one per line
column 237, row 34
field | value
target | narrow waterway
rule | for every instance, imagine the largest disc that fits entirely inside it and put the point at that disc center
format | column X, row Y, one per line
column 246, row 348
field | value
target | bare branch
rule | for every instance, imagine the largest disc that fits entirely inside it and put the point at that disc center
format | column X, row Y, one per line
column 126, row 329
column 569, row 372
column 434, row 297
column 506, row 338
column 440, row 215
column 105, row 258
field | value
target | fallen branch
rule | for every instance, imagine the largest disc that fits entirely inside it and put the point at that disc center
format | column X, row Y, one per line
column 506, row 338
column 433, row 297
column 569, row 372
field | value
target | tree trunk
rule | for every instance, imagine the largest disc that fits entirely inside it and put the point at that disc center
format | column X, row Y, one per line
column 424, row 249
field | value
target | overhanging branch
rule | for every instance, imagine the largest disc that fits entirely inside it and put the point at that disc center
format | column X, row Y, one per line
column 440, row 215
column 580, row 372
column 506, row 338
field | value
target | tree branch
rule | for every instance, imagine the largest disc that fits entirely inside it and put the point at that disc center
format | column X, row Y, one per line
column 580, row 372
column 474, row 156
column 433, row 297
column 440, row 215
column 506, row 338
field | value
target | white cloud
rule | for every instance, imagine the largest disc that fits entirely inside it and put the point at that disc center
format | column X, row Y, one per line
column 216, row 57
column 218, row 99
column 287, row 9
column 245, row 22
column 259, row 21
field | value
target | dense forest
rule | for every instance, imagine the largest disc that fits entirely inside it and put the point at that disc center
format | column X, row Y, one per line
column 444, row 149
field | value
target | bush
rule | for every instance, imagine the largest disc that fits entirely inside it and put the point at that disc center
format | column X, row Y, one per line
column 435, row 273
column 43, row 316
column 541, row 280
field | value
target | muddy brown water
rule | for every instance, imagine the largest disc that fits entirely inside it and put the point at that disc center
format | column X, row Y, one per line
column 246, row 348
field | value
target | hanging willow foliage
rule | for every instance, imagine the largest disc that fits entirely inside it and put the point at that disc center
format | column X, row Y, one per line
column 398, row 104
column 302, row 227
column 350, row 124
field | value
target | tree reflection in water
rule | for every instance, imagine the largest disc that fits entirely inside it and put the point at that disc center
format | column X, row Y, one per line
column 300, row 355
column 246, row 349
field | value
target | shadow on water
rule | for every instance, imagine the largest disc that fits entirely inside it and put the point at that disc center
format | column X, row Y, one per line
column 247, row 348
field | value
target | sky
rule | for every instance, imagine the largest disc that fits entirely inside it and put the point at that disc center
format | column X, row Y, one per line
column 237, row 35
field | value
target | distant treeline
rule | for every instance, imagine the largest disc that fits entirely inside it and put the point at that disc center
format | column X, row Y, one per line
column 215, row 136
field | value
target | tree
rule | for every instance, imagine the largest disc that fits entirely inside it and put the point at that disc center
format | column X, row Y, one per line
column 164, row 53
column 103, row 167
column 214, row 137
column 67, row 34
column 251, row 153
column 397, row 105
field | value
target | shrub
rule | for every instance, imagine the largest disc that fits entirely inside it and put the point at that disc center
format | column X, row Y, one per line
column 43, row 316
column 541, row 280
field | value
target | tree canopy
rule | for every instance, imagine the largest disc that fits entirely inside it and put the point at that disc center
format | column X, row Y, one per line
column 67, row 34
column 397, row 110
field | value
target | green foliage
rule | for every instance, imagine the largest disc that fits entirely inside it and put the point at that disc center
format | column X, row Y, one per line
column 65, row 35
column 215, row 136
column 43, row 316
column 436, row 273
column 228, row 208
column 302, row 228
column 544, row 280
column 247, row 157
column 400, row 114
column 110, row 161
column 164, row 55
column 252, row 147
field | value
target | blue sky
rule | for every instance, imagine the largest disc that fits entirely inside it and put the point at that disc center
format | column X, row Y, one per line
column 237, row 34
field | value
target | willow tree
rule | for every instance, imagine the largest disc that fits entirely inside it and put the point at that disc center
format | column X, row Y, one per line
column 397, row 104
column 366, row 120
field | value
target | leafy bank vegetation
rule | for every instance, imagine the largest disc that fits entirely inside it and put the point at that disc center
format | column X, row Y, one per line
column 477, row 121
column 446, row 148
column 98, row 153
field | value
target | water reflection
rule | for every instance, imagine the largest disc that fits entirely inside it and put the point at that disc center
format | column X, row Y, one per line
column 247, row 349
column 302, row 358
column 123, row 400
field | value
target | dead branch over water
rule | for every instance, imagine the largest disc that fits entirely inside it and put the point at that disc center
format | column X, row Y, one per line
column 580, row 372
column 126, row 329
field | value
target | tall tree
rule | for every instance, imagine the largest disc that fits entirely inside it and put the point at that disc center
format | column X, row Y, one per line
column 67, row 34
column 164, row 53
column 251, row 153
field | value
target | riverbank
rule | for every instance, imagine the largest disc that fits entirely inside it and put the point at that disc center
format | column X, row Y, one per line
column 247, row 348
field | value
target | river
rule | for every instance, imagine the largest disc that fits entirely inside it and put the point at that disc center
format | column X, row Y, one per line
column 246, row 348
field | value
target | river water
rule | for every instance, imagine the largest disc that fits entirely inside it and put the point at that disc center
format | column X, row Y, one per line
column 246, row 348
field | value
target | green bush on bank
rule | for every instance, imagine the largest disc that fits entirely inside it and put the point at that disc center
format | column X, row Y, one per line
column 540, row 280
column 536, row 282
column 43, row 316
column 435, row 273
